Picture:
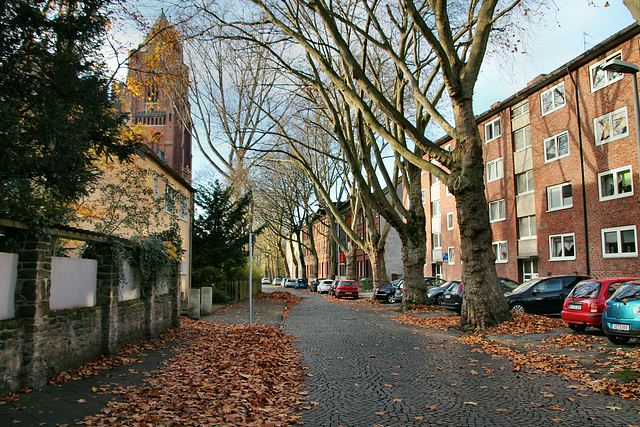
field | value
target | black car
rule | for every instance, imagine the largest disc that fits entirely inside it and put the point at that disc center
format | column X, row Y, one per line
column 388, row 292
column 452, row 296
column 435, row 293
column 543, row 295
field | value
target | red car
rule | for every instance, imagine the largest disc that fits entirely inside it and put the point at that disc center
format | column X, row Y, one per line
column 347, row 288
column 585, row 303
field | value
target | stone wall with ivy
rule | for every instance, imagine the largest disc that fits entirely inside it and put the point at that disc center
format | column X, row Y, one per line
column 39, row 343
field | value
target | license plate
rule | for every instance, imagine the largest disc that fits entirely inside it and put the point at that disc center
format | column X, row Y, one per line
column 619, row 327
column 575, row 306
column 447, row 296
column 348, row 293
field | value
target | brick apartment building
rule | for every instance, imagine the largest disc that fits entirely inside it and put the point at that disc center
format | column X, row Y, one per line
column 561, row 174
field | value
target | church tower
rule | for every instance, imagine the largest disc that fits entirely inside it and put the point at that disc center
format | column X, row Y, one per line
column 157, row 93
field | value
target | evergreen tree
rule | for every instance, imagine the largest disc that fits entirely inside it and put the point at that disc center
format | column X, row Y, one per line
column 220, row 231
column 56, row 116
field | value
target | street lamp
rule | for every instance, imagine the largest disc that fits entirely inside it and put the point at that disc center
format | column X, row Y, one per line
column 624, row 67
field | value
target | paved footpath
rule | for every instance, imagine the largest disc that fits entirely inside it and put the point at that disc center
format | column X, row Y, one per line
column 366, row 369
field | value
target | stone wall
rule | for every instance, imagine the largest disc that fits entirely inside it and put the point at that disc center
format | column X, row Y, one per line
column 11, row 348
column 131, row 322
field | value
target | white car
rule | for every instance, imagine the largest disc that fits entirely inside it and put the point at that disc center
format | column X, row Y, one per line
column 265, row 281
column 289, row 283
column 324, row 286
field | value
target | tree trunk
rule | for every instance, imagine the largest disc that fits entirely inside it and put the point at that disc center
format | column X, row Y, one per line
column 483, row 305
column 314, row 251
column 333, row 259
column 294, row 258
column 378, row 267
column 284, row 258
column 351, row 262
column 303, row 265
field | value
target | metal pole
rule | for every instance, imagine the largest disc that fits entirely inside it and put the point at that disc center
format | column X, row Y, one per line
column 250, row 279
column 636, row 113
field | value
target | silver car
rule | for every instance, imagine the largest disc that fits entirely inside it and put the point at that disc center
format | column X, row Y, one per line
column 324, row 286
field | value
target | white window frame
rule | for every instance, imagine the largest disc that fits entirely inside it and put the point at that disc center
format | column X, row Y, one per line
column 555, row 106
column 501, row 258
column 609, row 77
column 605, row 125
column 502, row 212
column 554, row 141
column 519, row 110
column 450, row 222
column 533, row 265
column 435, row 212
column 562, row 205
column 436, row 239
column 529, row 189
column 437, row 270
column 422, row 195
column 526, row 137
column 562, row 238
column 184, row 207
column 618, row 231
column 617, row 194
column 495, row 170
column 451, row 253
column 531, row 231
column 492, row 130
column 169, row 200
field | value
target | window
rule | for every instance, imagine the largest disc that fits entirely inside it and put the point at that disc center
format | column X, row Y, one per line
column 492, row 130
column 437, row 270
column 601, row 78
column 619, row 242
column 494, row 170
column 522, row 138
column 434, row 180
column 615, row 183
column 527, row 227
column 435, row 208
column 556, row 147
column 184, row 207
column 451, row 253
column 447, row 147
column 519, row 110
column 611, row 126
column 524, row 182
column 183, row 263
column 156, row 186
column 500, row 251
column 561, row 247
column 529, row 269
column 559, row 197
column 169, row 201
column 450, row 221
column 437, row 240
column 497, row 211
column 553, row 99
column 422, row 195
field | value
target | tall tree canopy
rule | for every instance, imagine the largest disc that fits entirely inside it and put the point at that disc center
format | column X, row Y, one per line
column 56, row 116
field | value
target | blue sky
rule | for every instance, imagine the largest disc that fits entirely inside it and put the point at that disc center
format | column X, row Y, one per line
column 565, row 33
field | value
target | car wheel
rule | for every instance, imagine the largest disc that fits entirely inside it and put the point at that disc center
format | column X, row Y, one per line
column 617, row 339
column 391, row 298
column 577, row 326
column 518, row 308
column 437, row 299
column 337, row 296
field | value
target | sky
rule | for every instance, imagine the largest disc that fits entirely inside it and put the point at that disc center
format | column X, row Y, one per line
column 566, row 32
column 566, row 29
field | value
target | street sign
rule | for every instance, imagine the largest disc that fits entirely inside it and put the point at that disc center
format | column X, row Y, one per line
column 445, row 257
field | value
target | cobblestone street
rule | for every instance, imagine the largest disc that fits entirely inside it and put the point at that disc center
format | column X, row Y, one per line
column 365, row 369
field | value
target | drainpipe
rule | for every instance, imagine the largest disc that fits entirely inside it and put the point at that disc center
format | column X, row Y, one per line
column 584, row 192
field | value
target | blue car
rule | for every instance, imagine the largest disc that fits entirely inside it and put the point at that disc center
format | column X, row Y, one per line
column 301, row 283
column 621, row 317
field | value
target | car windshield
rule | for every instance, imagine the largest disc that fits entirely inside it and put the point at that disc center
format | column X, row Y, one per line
column 526, row 285
column 508, row 285
column 629, row 292
column 588, row 289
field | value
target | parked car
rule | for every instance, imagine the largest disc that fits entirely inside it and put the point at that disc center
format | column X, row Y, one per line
column 585, row 303
column 277, row 281
column 325, row 286
column 452, row 296
column 301, row 283
column 544, row 295
column 387, row 292
column 621, row 316
column 313, row 285
column 346, row 288
column 288, row 283
column 265, row 281
column 433, row 281
column 435, row 293
column 400, row 292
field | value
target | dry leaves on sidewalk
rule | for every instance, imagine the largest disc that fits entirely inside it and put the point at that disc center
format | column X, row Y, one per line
column 224, row 375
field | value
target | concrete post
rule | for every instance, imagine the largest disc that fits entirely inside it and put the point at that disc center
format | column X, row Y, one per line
column 194, row 303
column 206, row 300
column 32, row 295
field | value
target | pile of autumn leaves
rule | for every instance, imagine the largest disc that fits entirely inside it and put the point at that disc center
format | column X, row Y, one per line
column 222, row 375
